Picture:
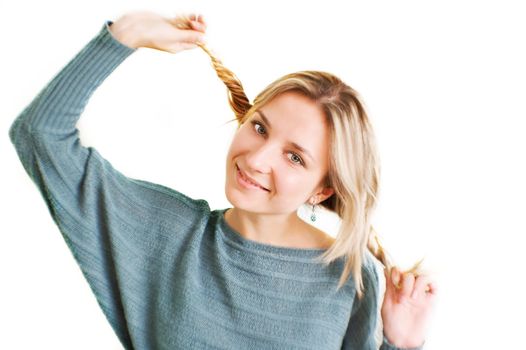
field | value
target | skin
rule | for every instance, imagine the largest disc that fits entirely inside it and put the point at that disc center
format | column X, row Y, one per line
column 407, row 306
column 263, row 153
column 270, row 217
column 147, row 29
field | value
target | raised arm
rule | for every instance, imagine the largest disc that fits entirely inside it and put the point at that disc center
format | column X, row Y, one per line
column 121, row 231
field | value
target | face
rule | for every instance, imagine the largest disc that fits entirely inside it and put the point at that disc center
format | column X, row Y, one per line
column 265, row 149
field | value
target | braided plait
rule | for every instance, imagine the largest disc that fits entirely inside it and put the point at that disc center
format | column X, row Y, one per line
column 236, row 95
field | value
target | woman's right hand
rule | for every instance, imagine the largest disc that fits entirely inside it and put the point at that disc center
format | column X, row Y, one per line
column 148, row 29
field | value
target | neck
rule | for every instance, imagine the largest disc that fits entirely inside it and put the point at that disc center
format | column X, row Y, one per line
column 273, row 229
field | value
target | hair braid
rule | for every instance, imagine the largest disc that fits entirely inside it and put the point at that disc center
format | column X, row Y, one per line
column 379, row 252
column 236, row 95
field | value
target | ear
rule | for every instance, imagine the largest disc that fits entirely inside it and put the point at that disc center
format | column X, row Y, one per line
column 322, row 195
column 327, row 192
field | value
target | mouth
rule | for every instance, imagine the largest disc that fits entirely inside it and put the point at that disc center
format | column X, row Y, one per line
column 249, row 180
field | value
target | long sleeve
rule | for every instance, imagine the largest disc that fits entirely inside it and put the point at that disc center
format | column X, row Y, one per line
column 360, row 334
column 120, row 230
column 166, row 272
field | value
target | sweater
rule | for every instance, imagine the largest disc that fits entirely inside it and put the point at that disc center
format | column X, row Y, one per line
column 167, row 271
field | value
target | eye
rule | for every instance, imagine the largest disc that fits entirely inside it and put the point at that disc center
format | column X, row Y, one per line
column 257, row 124
column 298, row 158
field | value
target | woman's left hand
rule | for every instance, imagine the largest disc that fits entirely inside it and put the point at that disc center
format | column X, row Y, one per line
column 407, row 304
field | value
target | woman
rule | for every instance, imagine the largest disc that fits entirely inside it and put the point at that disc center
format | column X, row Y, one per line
column 170, row 273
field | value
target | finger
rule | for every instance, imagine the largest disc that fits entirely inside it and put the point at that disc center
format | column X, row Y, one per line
column 193, row 36
column 185, row 21
column 183, row 46
column 198, row 18
column 180, row 22
column 432, row 289
column 198, row 26
column 420, row 286
column 408, row 280
column 388, row 282
column 187, row 45
column 391, row 281
column 395, row 277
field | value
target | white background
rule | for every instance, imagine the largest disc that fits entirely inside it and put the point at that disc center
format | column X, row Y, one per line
column 444, row 84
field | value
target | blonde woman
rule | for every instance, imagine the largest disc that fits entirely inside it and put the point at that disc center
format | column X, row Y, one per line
column 169, row 272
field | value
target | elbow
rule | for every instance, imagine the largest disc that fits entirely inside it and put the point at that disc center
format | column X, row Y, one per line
column 19, row 132
column 13, row 130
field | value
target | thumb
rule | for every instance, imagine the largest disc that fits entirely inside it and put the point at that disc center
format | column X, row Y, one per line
column 388, row 281
column 193, row 36
column 392, row 278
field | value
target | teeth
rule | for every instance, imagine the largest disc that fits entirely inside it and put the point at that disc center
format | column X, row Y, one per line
column 253, row 183
column 248, row 180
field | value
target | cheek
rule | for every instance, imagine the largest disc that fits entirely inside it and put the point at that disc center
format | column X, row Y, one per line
column 289, row 180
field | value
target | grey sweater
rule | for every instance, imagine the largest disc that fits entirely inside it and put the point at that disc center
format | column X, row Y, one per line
column 168, row 272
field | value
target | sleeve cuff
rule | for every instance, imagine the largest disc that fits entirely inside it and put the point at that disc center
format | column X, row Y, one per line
column 108, row 35
column 387, row 345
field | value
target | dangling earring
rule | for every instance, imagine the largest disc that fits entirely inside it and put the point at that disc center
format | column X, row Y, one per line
column 312, row 215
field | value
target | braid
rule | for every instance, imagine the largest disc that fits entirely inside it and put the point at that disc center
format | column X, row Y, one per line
column 378, row 251
column 236, row 95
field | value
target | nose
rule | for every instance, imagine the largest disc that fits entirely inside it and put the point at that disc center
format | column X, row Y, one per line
column 260, row 158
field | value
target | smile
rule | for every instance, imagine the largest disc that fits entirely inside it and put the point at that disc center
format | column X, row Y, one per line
column 246, row 182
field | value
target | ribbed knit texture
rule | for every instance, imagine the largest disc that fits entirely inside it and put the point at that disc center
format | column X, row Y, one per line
column 168, row 272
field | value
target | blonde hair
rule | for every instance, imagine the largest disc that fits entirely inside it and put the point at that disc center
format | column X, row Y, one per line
column 354, row 168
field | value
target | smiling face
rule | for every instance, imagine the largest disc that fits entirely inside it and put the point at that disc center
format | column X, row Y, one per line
column 267, row 150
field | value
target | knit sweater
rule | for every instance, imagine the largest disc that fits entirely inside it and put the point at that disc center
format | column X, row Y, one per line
column 167, row 271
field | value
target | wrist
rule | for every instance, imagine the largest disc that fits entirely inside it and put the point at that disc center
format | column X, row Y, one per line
column 405, row 343
column 125, row 31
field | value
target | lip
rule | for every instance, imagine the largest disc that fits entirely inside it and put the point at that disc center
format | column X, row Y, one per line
column 242, row 174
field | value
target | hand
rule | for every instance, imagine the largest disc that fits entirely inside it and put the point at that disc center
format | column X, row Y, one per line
column 148, row 29
column 407, row 304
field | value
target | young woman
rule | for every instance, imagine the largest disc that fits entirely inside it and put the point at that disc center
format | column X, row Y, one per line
column 169, row 272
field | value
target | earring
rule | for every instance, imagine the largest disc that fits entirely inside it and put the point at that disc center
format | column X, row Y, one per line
column 312, row 215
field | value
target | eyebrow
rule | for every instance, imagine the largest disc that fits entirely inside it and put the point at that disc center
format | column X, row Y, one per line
column 293, row 144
